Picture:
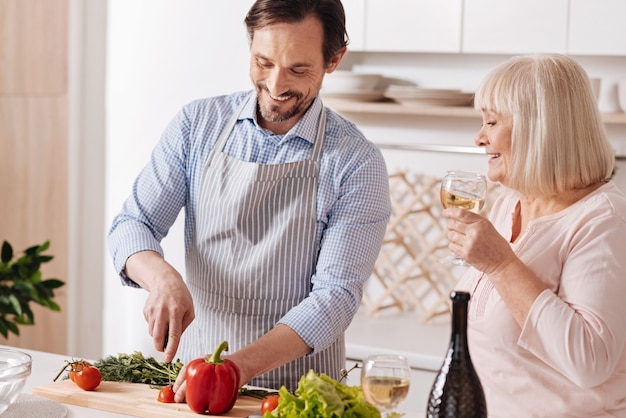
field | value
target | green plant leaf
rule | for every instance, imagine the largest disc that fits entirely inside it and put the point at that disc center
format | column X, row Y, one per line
column 35, row 277
column 25, row 288
column 32, row 250
column 24, row 319
column 13, row 328
column 4, row 330
column 42, row 258
column 7, row 252
column 21, row 283
column 52, row 283
column 50, row 304
column 17, row 306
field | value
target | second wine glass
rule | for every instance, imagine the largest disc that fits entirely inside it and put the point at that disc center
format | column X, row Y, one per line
column 385, row 380
column 461, row 189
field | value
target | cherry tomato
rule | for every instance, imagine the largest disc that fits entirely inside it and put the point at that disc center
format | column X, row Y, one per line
column 86, row 376
column 166, row 395
column 270, row 403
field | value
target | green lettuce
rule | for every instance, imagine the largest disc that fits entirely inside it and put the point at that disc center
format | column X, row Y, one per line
column 320, row 396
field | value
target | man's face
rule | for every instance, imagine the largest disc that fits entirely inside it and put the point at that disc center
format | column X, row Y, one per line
column 287, row 69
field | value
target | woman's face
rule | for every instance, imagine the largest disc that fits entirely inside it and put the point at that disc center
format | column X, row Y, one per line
column 495, row 136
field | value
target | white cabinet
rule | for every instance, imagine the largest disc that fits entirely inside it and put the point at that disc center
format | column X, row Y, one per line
column 413, row 25
column 578, row 27
column 515, row 26
column 355, row 23
column 597, row 27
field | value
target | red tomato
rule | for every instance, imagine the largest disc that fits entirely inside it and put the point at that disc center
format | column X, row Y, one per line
column 166, row 395
column 77, row 366
column 270, row 403
column 86, row 376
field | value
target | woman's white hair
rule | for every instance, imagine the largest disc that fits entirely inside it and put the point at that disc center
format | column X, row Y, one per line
column 558, row 140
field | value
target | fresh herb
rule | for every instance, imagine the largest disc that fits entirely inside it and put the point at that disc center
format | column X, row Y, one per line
column 256, row 393
column 20, row 284
column 344, row 373
column 136, row 368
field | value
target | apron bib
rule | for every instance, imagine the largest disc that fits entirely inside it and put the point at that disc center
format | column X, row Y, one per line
column 253, row 255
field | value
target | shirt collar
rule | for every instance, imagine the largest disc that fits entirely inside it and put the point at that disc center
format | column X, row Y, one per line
column 305, row 128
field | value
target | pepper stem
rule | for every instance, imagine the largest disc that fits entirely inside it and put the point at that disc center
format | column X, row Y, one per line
column 216, row 356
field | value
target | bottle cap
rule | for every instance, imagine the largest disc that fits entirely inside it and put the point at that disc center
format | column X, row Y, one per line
column 458, row 296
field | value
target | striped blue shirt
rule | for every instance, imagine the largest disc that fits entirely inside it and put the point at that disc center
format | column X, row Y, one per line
column 353, row 205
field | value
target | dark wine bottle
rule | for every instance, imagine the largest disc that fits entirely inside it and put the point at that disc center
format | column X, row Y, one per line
column 457, row 391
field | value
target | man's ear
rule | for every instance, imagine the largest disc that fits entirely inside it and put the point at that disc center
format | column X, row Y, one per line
column 334, row 61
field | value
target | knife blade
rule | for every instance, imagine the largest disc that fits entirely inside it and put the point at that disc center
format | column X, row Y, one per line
column 169, row 371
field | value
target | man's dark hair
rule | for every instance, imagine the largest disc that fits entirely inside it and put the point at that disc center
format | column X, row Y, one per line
column 330, row 12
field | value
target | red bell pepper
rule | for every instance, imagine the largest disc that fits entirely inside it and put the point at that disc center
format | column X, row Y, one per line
column 212, row 383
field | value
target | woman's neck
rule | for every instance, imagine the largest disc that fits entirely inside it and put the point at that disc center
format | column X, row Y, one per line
column 533, row 207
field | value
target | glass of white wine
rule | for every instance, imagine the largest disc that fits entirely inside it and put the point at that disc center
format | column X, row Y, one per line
column 385, row 380
column 461, row 189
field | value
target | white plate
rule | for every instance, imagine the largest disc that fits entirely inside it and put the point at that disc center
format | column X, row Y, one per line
column 437, row 101
column 414, row 91
column 338, row 81
column 360, row 96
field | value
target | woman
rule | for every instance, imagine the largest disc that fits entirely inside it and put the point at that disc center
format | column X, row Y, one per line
column 548, row 276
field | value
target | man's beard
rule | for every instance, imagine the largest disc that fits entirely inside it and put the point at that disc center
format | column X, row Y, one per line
column 272, row 113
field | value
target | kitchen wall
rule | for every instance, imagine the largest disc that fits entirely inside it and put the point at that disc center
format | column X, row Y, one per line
column 183, row 50
column 462, row 72
column 34, row 151
column 165, row 53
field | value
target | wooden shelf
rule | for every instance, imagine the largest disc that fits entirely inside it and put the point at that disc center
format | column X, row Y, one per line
column 392, row 108
column 614, row 118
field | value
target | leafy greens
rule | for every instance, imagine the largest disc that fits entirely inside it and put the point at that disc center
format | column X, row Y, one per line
column 318, row 395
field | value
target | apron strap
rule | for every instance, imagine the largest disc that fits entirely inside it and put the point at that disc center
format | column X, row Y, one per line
column 319, row 138
column 221, row 141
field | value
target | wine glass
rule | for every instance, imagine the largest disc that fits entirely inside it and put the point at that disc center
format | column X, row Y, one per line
column 385, row 380
column 460, row 189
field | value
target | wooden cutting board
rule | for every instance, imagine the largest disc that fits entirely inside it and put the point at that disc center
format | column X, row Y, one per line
column 135, row 399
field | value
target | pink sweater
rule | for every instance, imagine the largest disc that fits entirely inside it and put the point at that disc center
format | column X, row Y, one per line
column 569, row 358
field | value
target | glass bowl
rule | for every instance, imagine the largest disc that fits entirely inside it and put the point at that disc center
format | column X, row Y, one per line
column 15, row 367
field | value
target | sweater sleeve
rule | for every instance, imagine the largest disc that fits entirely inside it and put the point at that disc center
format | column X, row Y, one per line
column 579, row 329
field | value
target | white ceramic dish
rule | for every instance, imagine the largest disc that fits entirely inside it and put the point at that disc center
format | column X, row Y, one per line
column 397, row 91
column 436, row 101
column 358, row 96
column 621, row 94
column 414, row 96
column 348, row 81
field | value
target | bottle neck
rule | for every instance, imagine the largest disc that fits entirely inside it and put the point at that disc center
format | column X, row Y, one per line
column 459, row 326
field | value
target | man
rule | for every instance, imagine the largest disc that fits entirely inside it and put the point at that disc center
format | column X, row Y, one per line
column 286, row 206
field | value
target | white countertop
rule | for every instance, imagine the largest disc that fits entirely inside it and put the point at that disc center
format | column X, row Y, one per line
column 44, row 368
column 423, row 344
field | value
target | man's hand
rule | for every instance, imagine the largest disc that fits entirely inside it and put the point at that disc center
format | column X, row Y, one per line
column 169, row 307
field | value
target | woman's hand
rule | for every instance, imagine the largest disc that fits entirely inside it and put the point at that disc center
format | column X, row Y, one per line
column 475, row 239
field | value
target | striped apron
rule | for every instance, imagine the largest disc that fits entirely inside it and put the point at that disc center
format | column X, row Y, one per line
column 253, row 255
